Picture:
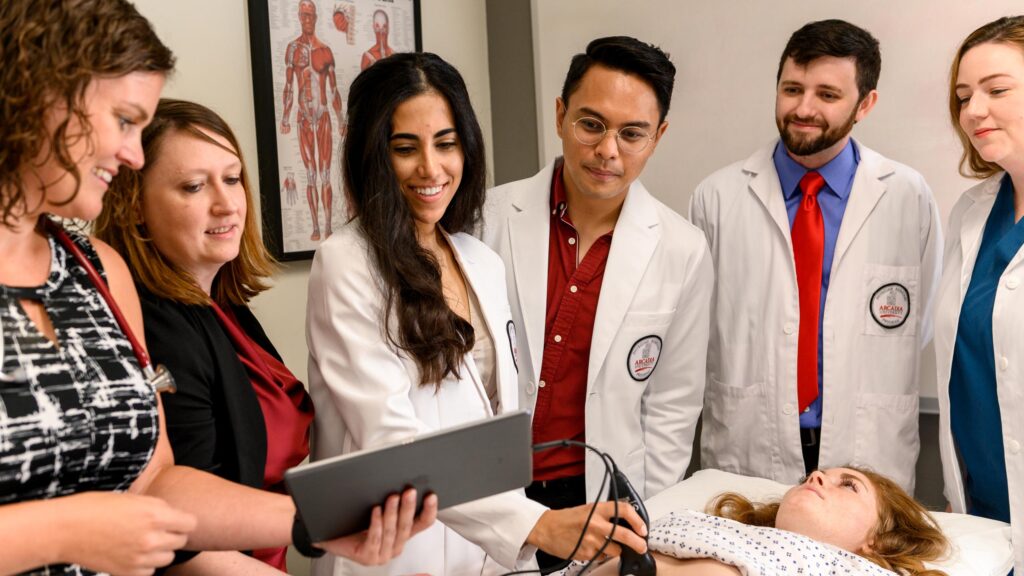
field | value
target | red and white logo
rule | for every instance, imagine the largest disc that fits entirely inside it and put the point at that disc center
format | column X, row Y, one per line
column 643, row 357
column 890, row 305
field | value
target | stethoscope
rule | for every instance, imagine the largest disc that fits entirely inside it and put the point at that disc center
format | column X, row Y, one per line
column 159, row 377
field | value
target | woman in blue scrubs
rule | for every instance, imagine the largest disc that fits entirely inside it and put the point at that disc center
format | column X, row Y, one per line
column 979, row 333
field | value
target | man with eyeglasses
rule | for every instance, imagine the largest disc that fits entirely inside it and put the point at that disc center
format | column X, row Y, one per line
column 827, row 259
column 610, row 289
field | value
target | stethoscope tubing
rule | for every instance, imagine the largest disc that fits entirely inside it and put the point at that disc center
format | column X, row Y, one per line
column 159, row 377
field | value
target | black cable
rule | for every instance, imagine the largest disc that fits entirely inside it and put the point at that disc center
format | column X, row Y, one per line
column 609, row 468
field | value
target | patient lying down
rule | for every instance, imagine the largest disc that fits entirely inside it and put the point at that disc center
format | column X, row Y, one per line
column 841, row 521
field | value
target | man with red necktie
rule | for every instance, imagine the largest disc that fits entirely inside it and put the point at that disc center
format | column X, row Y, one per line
column 826, row 258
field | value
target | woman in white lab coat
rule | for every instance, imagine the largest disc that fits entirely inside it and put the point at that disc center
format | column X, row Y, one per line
column 979, row 330
column 408, row 324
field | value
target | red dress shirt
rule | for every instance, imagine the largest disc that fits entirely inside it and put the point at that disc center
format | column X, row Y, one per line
column 573, row 292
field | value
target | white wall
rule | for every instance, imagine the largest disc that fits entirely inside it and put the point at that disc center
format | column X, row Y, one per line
column 211, row 40
column 726, row 54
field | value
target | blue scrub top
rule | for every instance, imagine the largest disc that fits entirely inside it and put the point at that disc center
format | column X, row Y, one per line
column 973, row 402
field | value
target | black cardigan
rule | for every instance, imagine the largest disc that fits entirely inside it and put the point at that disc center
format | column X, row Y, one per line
column 214, row 420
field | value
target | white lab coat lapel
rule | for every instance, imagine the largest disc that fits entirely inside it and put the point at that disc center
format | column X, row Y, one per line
column 972, row 227
column 476, row 285
column 868, row 188
column 634, row 240
column 528, row 230
column 765, row 186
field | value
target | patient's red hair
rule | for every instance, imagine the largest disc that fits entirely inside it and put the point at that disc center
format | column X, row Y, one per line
column 905, row 537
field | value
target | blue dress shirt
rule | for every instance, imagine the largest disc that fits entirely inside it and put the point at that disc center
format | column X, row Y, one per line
column 973, row 402
column 832, row 198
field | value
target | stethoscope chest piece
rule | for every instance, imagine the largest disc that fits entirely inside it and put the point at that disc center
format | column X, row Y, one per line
column 161, row 379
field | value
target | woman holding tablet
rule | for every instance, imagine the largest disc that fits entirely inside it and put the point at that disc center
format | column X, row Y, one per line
column 185, row 225
column 408, row 323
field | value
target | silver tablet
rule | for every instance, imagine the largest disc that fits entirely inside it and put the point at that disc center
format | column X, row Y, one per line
column 335, row 497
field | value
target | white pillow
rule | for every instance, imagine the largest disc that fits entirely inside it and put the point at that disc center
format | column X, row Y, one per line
column 980, row 546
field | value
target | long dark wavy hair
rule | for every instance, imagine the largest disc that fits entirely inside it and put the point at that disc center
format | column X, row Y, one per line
column 435, row 336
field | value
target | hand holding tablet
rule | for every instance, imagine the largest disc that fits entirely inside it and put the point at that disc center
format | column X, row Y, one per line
column 379, row 543
column 342, row 495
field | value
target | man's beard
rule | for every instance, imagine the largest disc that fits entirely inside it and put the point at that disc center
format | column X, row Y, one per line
column 806, row 146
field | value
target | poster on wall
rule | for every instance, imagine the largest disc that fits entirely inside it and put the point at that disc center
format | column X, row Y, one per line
column 305, row 54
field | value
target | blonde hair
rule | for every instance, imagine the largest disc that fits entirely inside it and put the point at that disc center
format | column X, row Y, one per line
column 905, row 537
column 239, row 280
column 1007, row 30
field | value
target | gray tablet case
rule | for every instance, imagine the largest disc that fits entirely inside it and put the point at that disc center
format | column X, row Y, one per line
column 335, row 497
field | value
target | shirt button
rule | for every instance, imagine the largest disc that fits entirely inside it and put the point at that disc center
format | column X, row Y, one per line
column 573, row 289
column 541, row 384
column 1013, row 446
column 531, row 388
column 558, row 338
column 788, row 410
column 789, row 328
column 1004, row 363
column 572, row 241
column 1012, row 282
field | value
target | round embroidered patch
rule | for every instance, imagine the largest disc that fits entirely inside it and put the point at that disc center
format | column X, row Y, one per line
column 643, row 357
column 890, row 305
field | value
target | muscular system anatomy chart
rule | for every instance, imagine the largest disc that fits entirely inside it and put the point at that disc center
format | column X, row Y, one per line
column 319, row 47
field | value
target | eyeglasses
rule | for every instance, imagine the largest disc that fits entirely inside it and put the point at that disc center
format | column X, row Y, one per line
column 591, row 131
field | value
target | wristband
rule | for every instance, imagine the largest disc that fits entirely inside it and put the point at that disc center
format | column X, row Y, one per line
column 301, row 541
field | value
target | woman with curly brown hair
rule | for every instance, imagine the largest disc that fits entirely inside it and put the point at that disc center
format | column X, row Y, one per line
column 840, row 521
column 87, row 477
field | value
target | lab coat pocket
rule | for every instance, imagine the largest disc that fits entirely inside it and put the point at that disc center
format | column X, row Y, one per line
column 887, row 433
column 890, row 300
column 644, row 332
column 653, row 319
column 730, row 436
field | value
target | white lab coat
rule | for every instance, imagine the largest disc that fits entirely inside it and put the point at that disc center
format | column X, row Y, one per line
column 966, row 224
column 367, row 394
column 889, row 234
column 657, row 282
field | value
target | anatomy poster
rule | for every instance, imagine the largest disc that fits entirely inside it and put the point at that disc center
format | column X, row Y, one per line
column 305, row 55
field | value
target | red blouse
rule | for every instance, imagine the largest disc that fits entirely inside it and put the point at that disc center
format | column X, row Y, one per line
column 287, row 413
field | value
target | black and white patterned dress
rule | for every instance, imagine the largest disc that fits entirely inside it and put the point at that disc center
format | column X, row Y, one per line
column 74, row 418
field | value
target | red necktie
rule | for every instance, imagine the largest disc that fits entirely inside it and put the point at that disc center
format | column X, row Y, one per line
column 808, row 251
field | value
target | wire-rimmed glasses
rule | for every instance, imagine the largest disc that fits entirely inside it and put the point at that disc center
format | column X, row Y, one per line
column 591, row 131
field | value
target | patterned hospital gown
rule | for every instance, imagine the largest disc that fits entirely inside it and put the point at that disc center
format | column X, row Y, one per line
column 74, row 418
column 755, row 550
